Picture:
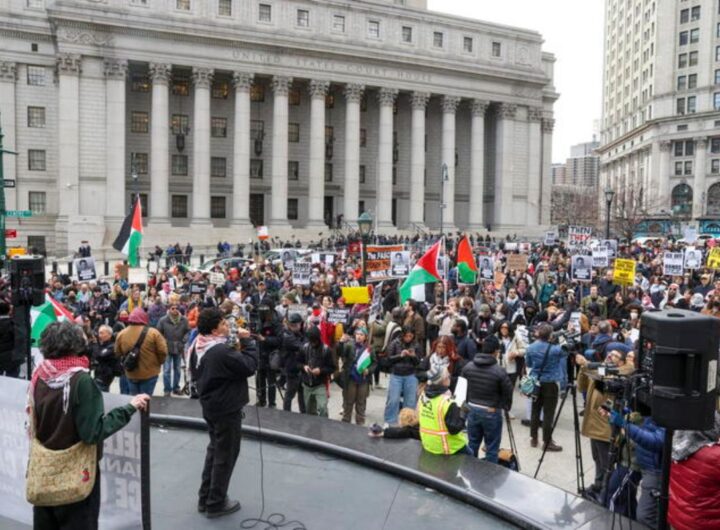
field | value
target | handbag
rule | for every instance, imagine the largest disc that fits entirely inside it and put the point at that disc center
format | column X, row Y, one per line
column 57, row 478
column 530, row 383
column 131, row 360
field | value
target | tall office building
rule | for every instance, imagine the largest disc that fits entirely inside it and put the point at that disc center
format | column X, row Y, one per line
column 661, row 106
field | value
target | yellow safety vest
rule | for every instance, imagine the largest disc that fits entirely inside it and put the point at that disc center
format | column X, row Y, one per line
column 433, row 432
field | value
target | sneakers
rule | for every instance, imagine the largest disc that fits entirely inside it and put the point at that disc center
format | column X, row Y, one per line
column 226, row 509
column 177, row 393
column 533, row 442
column 552, row 447
column 166, row 394
column 525, row 423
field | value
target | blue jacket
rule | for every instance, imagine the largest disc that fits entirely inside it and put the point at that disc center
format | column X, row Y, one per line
column 555, row 370
column 648, row 438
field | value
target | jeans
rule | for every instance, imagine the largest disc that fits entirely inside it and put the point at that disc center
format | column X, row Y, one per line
column 142, row 386
column 83, row 514
column 483, row 424
column 601, row 456
column 400, row 385
column 545, row 403
column 220, row 457
column 124, row 385
column 265, row 382
column 316, row 400
column 647, row 508
column 172, row 362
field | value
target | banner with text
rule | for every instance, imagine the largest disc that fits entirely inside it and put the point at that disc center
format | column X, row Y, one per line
column 377, row 262
column 673, row 263
column 579, row 236
column 301, row 272
column 624, row 272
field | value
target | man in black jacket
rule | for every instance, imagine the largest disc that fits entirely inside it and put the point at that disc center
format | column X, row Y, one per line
column 293, row 340
column 10, row 360
column 464, row 345
column 489, row 393
column 318, row 366
column 221, row 373
column 269, row 338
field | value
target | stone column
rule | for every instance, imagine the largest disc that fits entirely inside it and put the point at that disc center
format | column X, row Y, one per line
column 663, row 180
column 534, row 178
column 476, row 214
column 241, row 151
column 68, row 67
column 548, row 124
column 504, row 165
column 449, row 106
column 202, row 79
column 115, row 75
column 159, row 143
column 316, row 186
column 383, row 210
column 279, row 182
column 699, row 182
column 8, row 76
column 353, row 95
column 417, row 158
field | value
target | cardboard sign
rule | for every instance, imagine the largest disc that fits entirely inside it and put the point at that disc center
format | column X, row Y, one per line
column 337, row 316
column 624, row 272
column 122, row 271
column 137, row 276
column 400, row 264
column 673, row 263
column 579, row 236
column 486, row 268
column 693, row 258
column 713, row 259
column 85, row 269
column 356, row 295
column 582, row 268
column 517, row 262
column 499, row 280
column 301, row 273
column 377, row 262
column 600, row 258
column 262, row 233
column 216, row 278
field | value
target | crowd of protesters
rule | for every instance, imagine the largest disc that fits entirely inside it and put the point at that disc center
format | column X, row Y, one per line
column 490, row 333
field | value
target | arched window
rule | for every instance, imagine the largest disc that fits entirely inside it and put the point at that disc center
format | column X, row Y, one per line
column 682, row 196
column 713, row 199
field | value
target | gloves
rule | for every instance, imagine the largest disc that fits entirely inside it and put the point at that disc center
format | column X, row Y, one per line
column 617, row 419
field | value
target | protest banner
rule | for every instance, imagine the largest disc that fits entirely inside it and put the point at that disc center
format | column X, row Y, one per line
column 486, row 268
column 137, row 276
column 356, row 295
column 693, row 258
column 377, row 262
column 517, row 262
column 85, row 269
column 579, row 236
column 301, row 272
column 582, row 268
column 600, row 258
column 713, row 259
column 337, row 316
column 298, row 309
column 550, row 238
column 624, row 272
column 400, row 264
column 673, row 263
column 216, row 278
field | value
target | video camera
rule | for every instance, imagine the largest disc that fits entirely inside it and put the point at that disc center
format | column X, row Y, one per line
column 566, row 339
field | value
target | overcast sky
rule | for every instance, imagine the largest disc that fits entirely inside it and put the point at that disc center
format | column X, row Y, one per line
column 573, row 31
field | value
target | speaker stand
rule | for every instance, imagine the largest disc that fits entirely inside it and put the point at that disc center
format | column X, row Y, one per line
column 663, row 523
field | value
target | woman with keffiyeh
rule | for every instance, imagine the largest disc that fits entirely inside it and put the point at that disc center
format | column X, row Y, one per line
column 68, row 408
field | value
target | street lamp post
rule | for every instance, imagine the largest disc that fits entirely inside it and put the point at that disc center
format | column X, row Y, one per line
column 609, row 194
column 364, row 222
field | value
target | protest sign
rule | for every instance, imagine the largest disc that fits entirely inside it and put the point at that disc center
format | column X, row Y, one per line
column 517, row 262
column 337, row 316
column 356, row 295
column 713, row 259
column 624, row 272
column 216, row 278
column 298, row 309
column 85, row 269
column 693, row 258
column 611, row 245
column 673, row 263
column 550, row 238
column 690, row 234
column 377, row 262
column 137, row 276
column 600, row 258
column 486, row 268
column 153, row 266
column 582, row 268
column 579, row 236
column 400, row 264
column 301, row 273
column 499, row 279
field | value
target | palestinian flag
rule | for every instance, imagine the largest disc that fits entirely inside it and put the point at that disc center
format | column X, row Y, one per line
column 424, row 271
column 363, row 362
column 466, row 266
column 130, row 237
column 41, row 316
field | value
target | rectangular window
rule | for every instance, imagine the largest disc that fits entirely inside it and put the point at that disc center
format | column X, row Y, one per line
column 144, row 204
column 292, row 209
column 217, row 207
column 688, row 167
column 35, row 4
column 36, row 244
column 682, row 82
column 36, row 75
column 256, row 168
column 682, row 60
column 678, row 168
column 363, row 137
column 406, row 34
column 394, row 176
column 329, row 134
column 293, row 170
column 691, row 104
column 257, row 93
column 496, row 49
column 330, row 101
column 373, row 29
column 683, row 38
column 182, row 5
column 225, row 8
column 715, row 145
column 139, row 83
column 265, row 13
column 257, row 129
column 179, row 208
column 716, row 101
column 693, row 58
column 181, row 86
column 468, row 44
column 36, row 159
column 717, row 77
column 717, row 53
column 139, row 163
column 180, row 124
column 684, row 16
column 37, row 202
column 692, row 81
column 338, row 23
column 180, row 165
column 717, row 30
column 293, row 132
column 139, row 122
column 294, row 96
column 221, row 89
column 715, row 166
column 680, row 106
column 218, row 127
column 303, row 18
column 361, row 178
column 36, row 117
column 689, row 148
column 438, row 39
column 328, row 172
column 695, row 13
column 363, row 103
column 218, row 166
column 679, row 148
column 694, row 35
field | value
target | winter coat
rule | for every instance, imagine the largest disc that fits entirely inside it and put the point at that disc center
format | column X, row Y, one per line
column 594, row 425
column 466, row 347
column 400, row 365
column 694, row 491
column 488, row 384
column 153, row 351
column 175, row 333
column 292, row 343
column 648, row 438
column 554, row 369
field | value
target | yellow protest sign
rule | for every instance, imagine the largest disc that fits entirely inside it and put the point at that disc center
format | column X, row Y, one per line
column 713, row 259
column 356, row 295
column 624, row 273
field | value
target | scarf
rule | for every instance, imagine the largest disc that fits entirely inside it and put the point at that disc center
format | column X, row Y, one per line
column 687, row 443
column 202, row 345
column 56, row 373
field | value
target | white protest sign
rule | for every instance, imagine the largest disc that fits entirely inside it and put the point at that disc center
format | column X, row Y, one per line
column 673, row 263
column 600, row 258
column 301, row 273
column 579, row 236
column 693, row 258
column 137, row 276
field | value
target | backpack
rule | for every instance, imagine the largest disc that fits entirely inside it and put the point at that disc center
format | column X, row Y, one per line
column 131, row 360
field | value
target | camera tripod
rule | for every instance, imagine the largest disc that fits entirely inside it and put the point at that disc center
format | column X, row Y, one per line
column 570, row 389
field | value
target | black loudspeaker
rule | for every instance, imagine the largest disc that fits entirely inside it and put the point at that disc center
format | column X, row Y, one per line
column 680, row 351
column 27, row 280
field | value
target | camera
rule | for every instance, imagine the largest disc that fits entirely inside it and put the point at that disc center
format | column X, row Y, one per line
column 566, row 339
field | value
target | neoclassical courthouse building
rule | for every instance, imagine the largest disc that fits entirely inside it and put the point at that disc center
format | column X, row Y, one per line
column 229, row 114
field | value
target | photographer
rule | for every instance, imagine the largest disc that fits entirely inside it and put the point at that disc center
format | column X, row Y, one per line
column 548, row 362
column 595, row 425
column 268, row 335
column 293, row 339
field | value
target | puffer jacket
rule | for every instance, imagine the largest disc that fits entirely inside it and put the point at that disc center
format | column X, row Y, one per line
column 648, row 439
column 488, row 384
column 694, row 491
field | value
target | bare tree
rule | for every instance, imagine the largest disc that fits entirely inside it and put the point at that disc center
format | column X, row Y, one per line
column 631, row 207
column 574, row 205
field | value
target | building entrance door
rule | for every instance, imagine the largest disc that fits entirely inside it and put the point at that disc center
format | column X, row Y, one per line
column 257, row 209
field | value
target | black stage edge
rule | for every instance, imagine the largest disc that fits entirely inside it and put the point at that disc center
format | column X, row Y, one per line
column 145, row 469
column 511, row 496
